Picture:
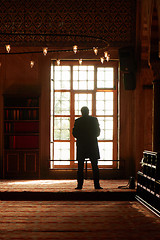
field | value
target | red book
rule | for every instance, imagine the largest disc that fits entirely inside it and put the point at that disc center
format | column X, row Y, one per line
column 14, row 141
column 26, row 127
column 6, row 114
column 26, row 142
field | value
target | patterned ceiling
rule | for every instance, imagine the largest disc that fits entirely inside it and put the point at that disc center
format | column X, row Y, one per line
column 112, row 20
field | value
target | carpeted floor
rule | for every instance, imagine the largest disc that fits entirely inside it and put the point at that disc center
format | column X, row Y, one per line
column 60, row 185
column 39, row 190
column 77, row 220
column 94, row 219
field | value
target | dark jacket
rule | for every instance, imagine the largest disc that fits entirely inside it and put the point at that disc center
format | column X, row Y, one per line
column 86, row 130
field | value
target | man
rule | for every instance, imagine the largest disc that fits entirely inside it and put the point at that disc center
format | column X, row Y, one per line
column 86, row 130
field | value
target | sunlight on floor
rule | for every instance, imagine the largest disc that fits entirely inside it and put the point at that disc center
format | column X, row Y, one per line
column 32, row 182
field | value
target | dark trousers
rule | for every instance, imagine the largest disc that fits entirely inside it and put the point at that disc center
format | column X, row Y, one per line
column 80, row 174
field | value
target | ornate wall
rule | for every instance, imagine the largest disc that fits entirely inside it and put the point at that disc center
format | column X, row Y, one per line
column 112, row 20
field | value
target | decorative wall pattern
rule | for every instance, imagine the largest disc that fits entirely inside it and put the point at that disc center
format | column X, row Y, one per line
column 113, row 20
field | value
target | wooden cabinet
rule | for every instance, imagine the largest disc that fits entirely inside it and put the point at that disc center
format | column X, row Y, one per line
column 21, row 164
column 21, row 137
column 148, row 182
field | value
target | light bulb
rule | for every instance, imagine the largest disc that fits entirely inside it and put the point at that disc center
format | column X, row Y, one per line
column 95, row 49
column 105, row 54
column 80, row 61
column 58, row 62
column 31, row 63
column 102, row 60
column 8, row 48
column 45, row 51
column 75, row 49
column 107, row 58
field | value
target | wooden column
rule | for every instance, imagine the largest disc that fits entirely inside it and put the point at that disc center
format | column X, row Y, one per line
column 155, row 65
column 156, row 116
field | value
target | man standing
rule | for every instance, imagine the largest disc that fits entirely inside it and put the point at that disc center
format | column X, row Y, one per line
column 86, row 130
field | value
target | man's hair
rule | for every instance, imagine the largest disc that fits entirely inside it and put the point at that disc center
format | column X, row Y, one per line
column 84, row 111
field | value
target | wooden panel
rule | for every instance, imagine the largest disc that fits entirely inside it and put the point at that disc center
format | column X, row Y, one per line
column 127, row 129
column 148, row 96
column 12, row 163
column 30, row 162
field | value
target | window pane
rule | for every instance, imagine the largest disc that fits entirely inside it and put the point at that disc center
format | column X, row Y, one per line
column 105, row 77
column 61, row 128
column 106, row 153
column 62, row 103
column 51, row 165
column 104, row 103
column 106, row 126
column 51, row 72
column 51, row 96
column 51, row 150
column 62, row 77
column 61, row 152
column 83, row 100
column 51, row 128
column 83, row 77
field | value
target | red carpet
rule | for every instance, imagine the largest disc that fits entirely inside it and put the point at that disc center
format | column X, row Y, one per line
column 60, row 185
column 74, row 220
column 77, row 220
column 47, row 190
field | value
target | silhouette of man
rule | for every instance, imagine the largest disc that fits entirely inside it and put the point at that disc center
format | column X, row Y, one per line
column 86, row 130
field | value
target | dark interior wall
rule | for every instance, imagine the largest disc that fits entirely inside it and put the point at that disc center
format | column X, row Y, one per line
column 44, row 77
column 127, row 129
column 19, row 73
column 144, row 114
column 16, row 77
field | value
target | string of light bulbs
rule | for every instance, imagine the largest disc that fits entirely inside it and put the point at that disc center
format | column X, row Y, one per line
column 106, row 56
column 46, row 50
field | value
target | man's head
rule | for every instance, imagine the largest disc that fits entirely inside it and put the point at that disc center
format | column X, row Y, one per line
column 84, row 111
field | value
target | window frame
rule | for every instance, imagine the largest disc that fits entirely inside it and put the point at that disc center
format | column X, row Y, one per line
column 114, row 65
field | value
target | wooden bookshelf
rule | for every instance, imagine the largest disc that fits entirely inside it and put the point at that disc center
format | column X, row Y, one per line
column 148, row 181
column 21, row 137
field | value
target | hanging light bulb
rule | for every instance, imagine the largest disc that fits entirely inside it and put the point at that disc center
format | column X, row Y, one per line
column 107, row 58
column 32, row 63
column 75, row 49
column 8, row 48
column 102, row 60
column 80, row 61
column 58, row 62
column 105, row 54
column 95, row 49
column 45, row 51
